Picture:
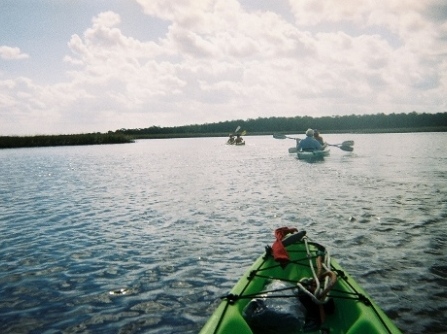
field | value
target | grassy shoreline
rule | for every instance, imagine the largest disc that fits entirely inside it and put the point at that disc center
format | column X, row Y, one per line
column 119, row 138
column 64, row 140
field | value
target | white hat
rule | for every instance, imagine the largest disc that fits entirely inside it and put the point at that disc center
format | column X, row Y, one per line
column 310, row 133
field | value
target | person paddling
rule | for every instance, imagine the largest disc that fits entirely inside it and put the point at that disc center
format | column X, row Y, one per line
column 318, row 137
column 309, row 144
column 239, row 139
column 231, row 140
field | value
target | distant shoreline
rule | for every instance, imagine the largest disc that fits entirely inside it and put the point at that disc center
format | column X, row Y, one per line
column 269, row 133
column 119, row 138
column 64, row 140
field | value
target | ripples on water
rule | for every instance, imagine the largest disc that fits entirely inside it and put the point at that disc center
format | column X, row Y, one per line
column 145, row 237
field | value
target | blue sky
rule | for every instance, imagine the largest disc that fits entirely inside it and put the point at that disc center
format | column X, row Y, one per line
column 98, row 65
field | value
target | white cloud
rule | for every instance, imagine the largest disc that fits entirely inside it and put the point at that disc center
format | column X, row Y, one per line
column 11, row 53
column 218, row 61
column 185, row 12
column 313, row 12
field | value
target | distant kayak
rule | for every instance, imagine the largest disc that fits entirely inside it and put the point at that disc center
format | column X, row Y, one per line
column 236, row 138
column 295, row 287
column 314, row 155
column 242, row 143
column 347, row 146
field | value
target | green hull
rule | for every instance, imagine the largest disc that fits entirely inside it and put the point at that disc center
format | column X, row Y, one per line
column 315, row 155
column 354, row 311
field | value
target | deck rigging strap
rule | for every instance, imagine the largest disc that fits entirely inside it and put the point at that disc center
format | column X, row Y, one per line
column 231, row 299
column 361, row 298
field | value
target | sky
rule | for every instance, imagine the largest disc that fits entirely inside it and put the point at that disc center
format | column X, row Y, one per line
column 81, row 66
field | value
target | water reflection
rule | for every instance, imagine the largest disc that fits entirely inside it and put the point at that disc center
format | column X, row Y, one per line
column 146, row 237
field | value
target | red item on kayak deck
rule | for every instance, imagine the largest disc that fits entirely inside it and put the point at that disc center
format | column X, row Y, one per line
column 279, row 251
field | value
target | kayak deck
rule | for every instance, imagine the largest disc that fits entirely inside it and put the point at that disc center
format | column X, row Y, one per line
column 354, row 311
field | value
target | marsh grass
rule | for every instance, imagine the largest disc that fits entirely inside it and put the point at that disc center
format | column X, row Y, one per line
column 64, row 140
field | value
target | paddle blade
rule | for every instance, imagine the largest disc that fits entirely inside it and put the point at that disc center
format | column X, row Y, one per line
column 279, row 136
column 348, row 143
column 237, row 129
column 347, row 148
column 243, row 133
column 292, row 150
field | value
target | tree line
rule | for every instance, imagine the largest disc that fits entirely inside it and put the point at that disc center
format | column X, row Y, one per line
column 411, row 122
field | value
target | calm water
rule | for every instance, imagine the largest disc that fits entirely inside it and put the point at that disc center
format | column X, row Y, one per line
column 144, row 237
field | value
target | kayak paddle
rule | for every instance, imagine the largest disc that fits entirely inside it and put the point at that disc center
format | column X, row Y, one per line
column 345, row 146
column 280, row 136
column 292, row 149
